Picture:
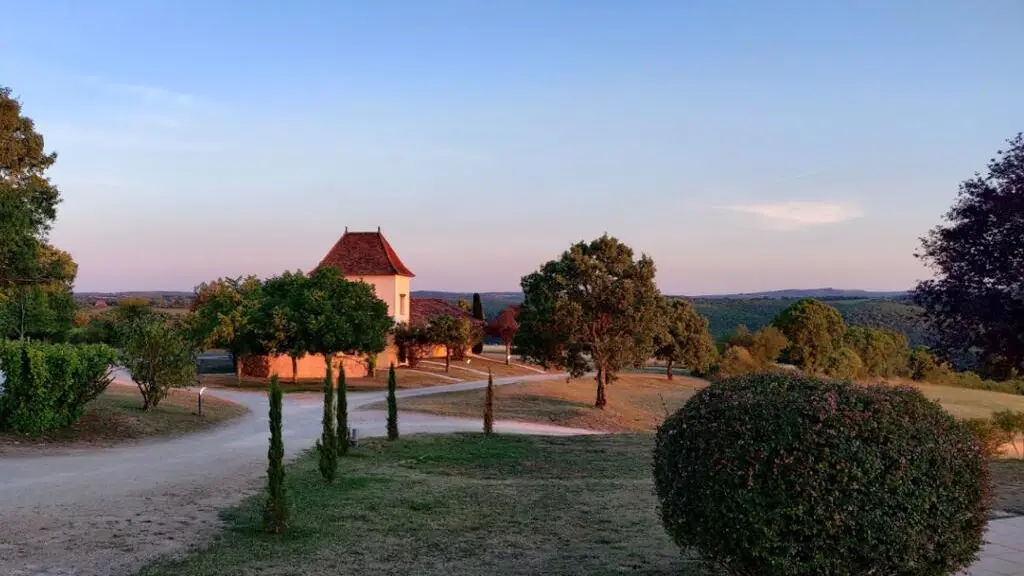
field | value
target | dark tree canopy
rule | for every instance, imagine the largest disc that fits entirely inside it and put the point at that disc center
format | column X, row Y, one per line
column 222, row 311
column 594, row 307
column 683, row 338
column 341, row 316
column 975, row 302
column 815, row 331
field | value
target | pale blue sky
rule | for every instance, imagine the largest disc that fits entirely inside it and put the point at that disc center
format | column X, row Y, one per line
column 743, row 145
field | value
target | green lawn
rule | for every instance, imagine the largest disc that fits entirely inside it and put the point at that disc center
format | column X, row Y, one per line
column 460, row 505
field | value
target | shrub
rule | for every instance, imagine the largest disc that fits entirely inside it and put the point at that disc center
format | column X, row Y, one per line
column 1010, row 424
column 47, row 386
column 736, row 360
column 844, row 364
column 275, row 513
column 991, row 438
column 775, row 474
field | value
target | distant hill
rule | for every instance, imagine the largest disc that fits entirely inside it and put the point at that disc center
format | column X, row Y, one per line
column 819, row 293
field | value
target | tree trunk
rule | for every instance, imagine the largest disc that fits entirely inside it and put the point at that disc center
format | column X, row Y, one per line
column 295, row 369
column 602, row 401
column 508, row 353
column 238, row 368
column 668, row 369
column 23, row 299
column 447, row 359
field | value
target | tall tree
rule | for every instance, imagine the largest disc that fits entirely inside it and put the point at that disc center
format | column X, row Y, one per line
column 35, row 278
column 222, row 310
column 452, row 333
column 478, row 313
column 975, row 302
column 504, row 328
column 815, row 331
column 28, row 200
column 683, row 338
column 327, row 445
column 275, row 512
column 339, row 316
column 594, row 306
column 392, row 405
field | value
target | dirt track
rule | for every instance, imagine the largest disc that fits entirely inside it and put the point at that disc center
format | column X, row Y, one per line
column 111, row 511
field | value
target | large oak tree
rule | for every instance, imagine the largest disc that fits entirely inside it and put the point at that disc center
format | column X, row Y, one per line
column 975, row 301
column 595, row 307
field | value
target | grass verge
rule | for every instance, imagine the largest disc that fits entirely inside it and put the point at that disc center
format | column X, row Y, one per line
column 459, row 505
column 115, row 416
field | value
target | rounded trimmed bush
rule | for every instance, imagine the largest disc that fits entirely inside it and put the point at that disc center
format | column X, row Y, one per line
column 780, row 474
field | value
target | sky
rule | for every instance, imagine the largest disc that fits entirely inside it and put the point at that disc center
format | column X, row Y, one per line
column 743, row 145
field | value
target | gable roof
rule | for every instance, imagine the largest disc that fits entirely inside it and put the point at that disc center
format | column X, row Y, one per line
column 365, row 254
column 423, row 310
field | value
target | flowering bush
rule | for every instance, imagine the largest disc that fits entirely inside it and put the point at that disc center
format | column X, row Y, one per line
column 780, row 474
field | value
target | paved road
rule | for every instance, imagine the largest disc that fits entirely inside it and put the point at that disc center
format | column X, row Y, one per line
column 109, row 511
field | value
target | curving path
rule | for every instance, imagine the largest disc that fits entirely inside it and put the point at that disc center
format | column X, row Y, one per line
column 110, row 511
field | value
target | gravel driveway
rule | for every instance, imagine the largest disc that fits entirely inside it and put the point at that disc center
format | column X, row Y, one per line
column 110, row 511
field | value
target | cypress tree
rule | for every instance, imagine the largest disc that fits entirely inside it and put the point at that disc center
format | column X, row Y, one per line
column 489, row 405
column 392, row 405
column 478, row 313
column 327, row 446
column 275, row 515
column 342, row 431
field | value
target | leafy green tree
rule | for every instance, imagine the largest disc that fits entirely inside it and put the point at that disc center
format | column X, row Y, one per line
column 923, row 366
column 160, row 355
column 478, row 313
column 452, row 333
column 275, row 512
column 28, row 200
column 815, row 331
column 767, row 344
column 741, row 336
column 975, row 302
column 339, row 316
column 223, row 310
column 327, row 445
column 504, row 327
column 885, row 353
column 392, row 405
column 683, row 338
column 489, row 405
column 736, row 361
column 844, row 364
column 594, row 306
column 278, row 319
column 341, row 430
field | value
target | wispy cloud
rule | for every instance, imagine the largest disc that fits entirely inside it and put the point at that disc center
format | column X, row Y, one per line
column 154, row 95
column 795, row 214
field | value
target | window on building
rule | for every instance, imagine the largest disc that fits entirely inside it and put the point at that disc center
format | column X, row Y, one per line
column 401, row 305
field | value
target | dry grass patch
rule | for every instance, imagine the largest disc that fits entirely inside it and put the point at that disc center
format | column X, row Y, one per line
column 116, row 416
column 967, row 402
column 636, row 402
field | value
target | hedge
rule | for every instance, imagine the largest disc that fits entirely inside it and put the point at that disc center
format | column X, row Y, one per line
column 47, row 386
column 781, row 474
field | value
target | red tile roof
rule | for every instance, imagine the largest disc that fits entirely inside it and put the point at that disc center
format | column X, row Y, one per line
column 423, row 310
column 365, row 254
